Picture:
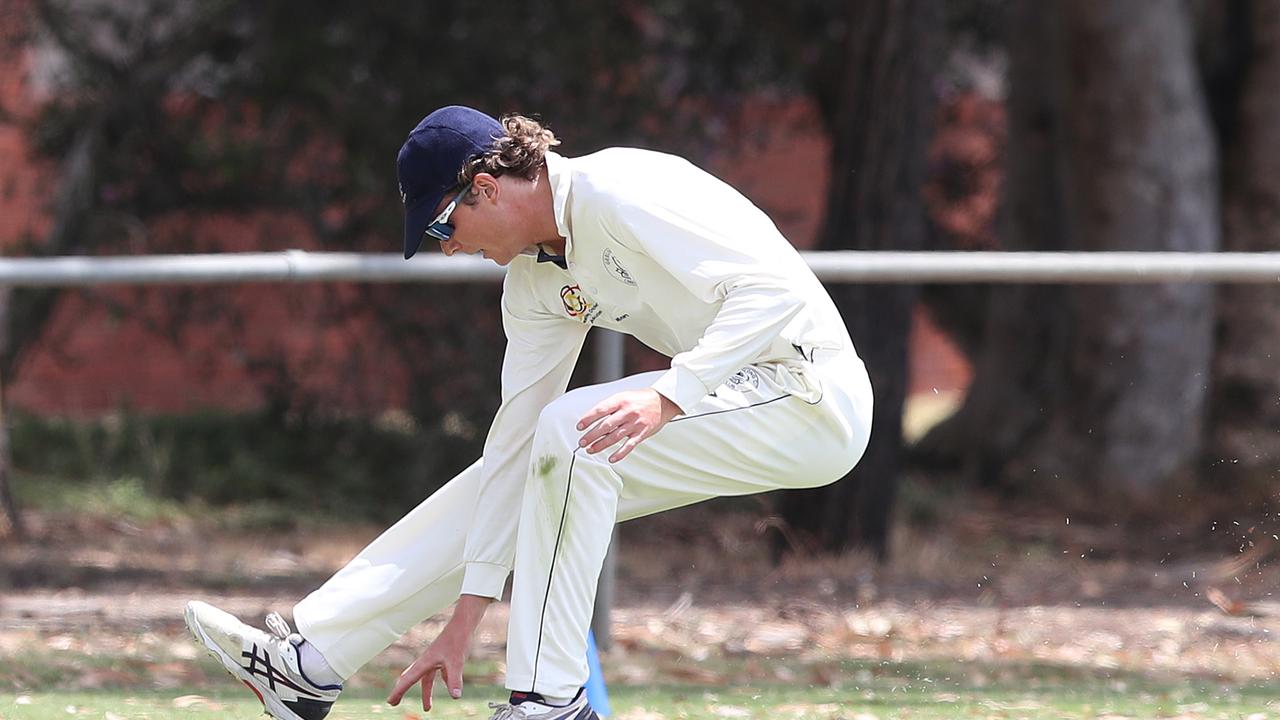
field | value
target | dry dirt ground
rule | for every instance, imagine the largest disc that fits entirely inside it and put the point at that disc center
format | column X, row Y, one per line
column 698, row 600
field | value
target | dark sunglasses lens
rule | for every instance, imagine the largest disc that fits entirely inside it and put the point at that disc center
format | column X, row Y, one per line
column 440, row 231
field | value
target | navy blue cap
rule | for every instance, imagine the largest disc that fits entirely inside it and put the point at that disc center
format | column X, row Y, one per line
column 430, row 159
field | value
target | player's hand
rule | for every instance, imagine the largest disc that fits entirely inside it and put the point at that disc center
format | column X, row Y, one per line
column 627, row 417
column 445, row 656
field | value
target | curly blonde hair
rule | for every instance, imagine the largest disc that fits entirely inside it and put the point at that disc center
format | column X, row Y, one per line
column 521, row 152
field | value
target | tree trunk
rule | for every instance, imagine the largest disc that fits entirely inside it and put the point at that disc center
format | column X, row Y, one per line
column 1098, row 394
column 23, row 317
column 1019, row 364
column 10, row 519
column 878, row 118
column 1142, row 171
column 1244, row 449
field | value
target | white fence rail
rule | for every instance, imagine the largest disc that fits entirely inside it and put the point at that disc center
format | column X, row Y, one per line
column 841, row 266
column 844, row 266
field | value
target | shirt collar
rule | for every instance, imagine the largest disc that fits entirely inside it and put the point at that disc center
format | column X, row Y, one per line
column 559, row 175
column 559, row 260
column 536, row 252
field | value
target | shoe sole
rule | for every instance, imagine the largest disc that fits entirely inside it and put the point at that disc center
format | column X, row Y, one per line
column 274, row 707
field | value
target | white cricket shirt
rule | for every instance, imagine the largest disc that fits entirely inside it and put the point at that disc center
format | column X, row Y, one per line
column 660, row 250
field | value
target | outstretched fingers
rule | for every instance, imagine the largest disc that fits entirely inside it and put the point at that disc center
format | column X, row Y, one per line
column 425, row 670
column 411, row 675
column 452, row 679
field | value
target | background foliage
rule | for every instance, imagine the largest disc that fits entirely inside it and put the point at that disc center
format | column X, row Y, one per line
column 164, row 116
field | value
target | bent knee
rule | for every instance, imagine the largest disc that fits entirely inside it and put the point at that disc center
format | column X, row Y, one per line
column 839, row 455
column 558, row 421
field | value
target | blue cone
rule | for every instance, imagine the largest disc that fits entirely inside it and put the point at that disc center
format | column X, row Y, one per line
column 597, row 693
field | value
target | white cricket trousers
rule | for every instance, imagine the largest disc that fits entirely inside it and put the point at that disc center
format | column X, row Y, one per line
column 771, row 426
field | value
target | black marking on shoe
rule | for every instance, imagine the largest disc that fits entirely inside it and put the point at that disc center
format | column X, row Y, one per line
column 309, row 709
column 260, row 666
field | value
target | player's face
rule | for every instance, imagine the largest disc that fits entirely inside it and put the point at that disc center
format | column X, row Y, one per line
column 479, row 224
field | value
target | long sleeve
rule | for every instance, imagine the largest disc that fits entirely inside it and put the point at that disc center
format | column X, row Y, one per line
column 541, row 352
column 719, row 257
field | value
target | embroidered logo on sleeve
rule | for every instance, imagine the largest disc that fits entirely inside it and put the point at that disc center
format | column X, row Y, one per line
column 615, row 268
column 577, row 305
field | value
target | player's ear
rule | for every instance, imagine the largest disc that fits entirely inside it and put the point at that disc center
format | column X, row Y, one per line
column 485, row 186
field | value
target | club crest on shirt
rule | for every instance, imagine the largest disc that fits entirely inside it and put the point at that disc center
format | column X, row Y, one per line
column 748, row 378
column 577, row 305
column 574, row 303
column 615, row 268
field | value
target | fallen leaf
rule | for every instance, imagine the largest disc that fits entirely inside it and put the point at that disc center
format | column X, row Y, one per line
column 775, row 637
column 187, row 701
column 694, row 674
column 807, row 709
column 1226, row 604
column 184, row 650
column 641, row 714
column 172, row 674
column 103, row 677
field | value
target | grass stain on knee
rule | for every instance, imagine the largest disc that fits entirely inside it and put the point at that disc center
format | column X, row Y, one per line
column 546, row 465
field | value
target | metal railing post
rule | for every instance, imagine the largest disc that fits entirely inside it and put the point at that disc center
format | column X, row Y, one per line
column 610, row 365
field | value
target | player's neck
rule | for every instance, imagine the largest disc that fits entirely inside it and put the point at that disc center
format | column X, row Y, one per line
column 553, row 247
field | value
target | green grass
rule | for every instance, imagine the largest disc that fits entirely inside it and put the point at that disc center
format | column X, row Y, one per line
column 851, row 690
column 125, row 498
column 304, row 461
column 128, row 499
column 798, row 703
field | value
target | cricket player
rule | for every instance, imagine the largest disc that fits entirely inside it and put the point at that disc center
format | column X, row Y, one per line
column 764, row 391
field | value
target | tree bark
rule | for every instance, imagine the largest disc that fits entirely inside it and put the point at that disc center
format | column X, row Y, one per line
column 1142, row 169
column 1096, row 396
column 878, row 118
column 1019, row 363
column 1243, row 451
column 10, row 518
column 22, row 317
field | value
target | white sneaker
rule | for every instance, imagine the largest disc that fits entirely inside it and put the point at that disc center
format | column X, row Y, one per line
column 531, row 706
column 267, row 663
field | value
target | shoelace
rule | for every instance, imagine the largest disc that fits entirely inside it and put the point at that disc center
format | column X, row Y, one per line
column 278, row 626
column 507, row 711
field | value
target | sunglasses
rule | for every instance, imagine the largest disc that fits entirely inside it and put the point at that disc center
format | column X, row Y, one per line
column 440, row 228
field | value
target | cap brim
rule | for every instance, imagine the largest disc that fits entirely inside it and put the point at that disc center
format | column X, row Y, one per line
column 418, row 214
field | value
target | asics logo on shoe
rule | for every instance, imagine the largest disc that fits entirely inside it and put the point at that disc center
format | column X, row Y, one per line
column 266, row 663
column 260, row 665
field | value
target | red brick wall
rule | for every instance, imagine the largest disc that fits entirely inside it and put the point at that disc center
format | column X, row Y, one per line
column 97, row 356
column 24, row 182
